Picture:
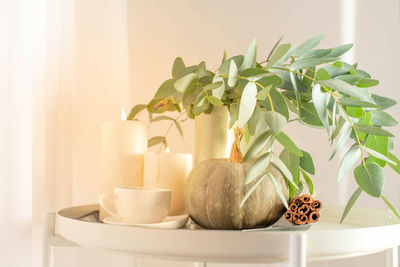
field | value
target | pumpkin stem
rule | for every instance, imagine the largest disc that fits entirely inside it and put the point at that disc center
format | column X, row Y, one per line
column 236, row 154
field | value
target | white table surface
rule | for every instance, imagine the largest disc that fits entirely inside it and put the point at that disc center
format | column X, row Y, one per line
column 365, row 231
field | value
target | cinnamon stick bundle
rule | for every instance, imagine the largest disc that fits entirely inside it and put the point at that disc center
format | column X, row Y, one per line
column 303, row 210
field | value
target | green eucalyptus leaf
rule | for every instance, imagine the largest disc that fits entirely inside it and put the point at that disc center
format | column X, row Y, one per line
column 396, row 166
column 215, row 101
column 274, row 47
column 259, row 166
column 275, row 121
column 233, row 114
column 383, row 102
column 177, row 67
column 307, row 45
column 233, row 72
column 366, row 119
column 391, row 207
column 156, row 140
column 321, row 101
column 367, row 82
column 247, row 103
column 352, row 102
column 250, row 57
column 342, row 87
column 349, row 78
column 309, row 73
column 317, row 53
column 306, row 162
column 309, row 115
column 263, row 93
column 362, row 73
column 218, row 92
column 381, row 118
column 285, row 141
column 166, row 89
column 279, row 53
column 135, row 111
column 344, row 136
column 179, row 128
column 351, row 203
column 369, row 129
column 370, row 178
column 252, row 72
column 278, row 190
column 296, row 90
column 224, row 57
column 322, row 74
column 254, row 120
column 224, row 68
column 310, row 62
column 308, row 181
column 287, row 82
column 348, row 161
column 213, row 85
column 186, row 84
column 278, row 101
column 186, row 71
column 379, row 144
column 340, row 50
column 258, row 144
column 273, row 80
column 376, row 154
column 252, row 188
column 284, row 169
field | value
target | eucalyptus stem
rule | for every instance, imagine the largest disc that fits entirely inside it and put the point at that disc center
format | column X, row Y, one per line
column 169, row 129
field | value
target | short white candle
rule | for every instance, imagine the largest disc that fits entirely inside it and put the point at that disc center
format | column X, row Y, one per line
column 168, row 170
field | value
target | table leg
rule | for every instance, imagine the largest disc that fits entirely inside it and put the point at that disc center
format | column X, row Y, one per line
column 297, row 250
column 48, row 233
column 392, row 257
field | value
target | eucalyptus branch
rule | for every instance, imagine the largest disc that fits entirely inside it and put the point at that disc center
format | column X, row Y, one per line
column 340, row 105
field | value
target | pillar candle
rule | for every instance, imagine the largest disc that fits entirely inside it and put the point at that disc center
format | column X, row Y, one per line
column 122, row 153
column 168, row 170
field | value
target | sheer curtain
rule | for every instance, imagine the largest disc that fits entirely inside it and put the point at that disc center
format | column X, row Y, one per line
column 16, row 87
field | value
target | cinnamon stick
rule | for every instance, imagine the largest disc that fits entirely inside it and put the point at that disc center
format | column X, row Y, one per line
column 288, row 215
column 306, row 199
column 316, row 205
column 304, row 209
column 293, row 207
column 313, row 217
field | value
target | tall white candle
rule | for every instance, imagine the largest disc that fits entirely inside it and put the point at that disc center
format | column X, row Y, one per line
column 168, row 170
column 122, row 153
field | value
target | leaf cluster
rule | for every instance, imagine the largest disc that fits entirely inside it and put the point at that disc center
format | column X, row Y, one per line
column 305, row 84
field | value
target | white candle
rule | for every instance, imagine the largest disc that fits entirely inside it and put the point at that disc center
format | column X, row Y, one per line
column 122, row 153
column 168, row 170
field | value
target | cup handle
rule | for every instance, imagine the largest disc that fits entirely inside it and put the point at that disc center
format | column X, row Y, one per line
column 102, row 204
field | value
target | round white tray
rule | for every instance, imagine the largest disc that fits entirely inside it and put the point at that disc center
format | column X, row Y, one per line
column 365, row 231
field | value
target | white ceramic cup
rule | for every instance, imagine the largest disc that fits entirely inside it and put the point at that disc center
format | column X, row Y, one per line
column 138, row 204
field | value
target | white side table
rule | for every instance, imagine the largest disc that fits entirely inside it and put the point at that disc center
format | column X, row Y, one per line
column 365, row 231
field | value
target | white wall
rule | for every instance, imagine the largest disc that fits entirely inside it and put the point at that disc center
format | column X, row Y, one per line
column 158, row 31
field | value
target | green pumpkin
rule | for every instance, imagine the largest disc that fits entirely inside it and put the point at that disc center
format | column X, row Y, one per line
column 215, row 188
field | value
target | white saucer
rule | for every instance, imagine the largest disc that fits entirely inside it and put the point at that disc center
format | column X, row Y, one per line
column 170, row 222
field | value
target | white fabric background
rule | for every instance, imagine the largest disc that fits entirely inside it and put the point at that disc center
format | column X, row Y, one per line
column 67, row 65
